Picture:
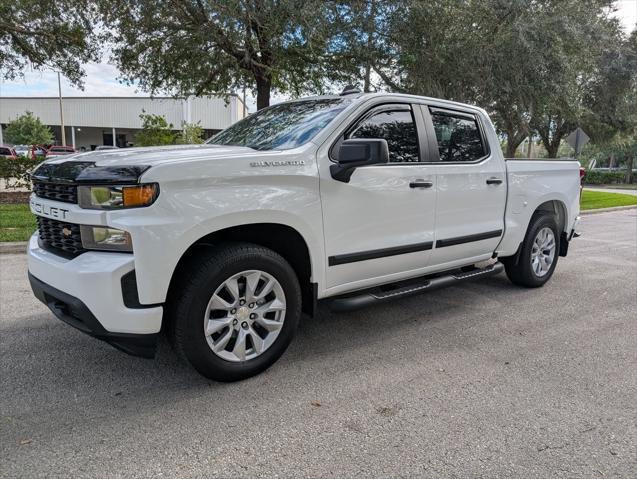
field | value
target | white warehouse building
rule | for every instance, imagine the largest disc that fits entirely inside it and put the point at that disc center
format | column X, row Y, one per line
column 94, row 121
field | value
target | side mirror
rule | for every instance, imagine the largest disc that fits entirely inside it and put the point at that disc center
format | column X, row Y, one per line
column 356, row 153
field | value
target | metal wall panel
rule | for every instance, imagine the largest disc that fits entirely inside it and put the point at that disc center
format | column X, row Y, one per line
column 107, row 112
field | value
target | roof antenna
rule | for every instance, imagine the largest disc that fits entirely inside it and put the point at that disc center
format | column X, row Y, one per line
column 350, row 89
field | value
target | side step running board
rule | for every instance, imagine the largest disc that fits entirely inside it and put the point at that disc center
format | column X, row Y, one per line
column 384, row 293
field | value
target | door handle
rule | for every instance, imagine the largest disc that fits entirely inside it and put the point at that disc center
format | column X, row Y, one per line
column 494, row 181
column 421, row 184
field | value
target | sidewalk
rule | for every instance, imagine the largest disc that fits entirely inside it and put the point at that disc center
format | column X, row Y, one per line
column 621, row 191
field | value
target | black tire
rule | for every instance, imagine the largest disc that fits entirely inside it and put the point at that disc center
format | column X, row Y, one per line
column 196, row 285
column 520, row 272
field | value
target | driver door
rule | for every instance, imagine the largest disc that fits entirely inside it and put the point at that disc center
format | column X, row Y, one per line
column 380, row 225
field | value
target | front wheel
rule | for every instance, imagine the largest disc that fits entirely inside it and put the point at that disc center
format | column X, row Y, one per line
column 538, row 253
column 237, row 311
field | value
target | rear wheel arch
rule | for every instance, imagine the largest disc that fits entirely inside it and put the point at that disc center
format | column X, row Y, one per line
column 555, row 208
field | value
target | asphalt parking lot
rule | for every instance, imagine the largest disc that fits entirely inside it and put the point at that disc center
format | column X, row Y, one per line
column 481, row 380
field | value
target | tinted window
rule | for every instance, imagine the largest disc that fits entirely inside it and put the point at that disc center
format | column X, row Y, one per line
column 284, row 126
column 5, row 151
column 458, row 137
column 398, row 128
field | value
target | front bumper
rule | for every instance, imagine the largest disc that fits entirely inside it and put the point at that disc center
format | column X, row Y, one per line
column 86, row 292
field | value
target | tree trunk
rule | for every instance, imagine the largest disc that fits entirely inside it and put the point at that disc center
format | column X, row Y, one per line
column 511, row 149
column 264, row 85
column 370, row 27
column 514, row 140
column 629, row 170
column 551, row 149
column 367, row 80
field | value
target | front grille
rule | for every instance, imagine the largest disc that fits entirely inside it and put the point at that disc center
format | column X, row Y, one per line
column 66, row 192
column 53, row 237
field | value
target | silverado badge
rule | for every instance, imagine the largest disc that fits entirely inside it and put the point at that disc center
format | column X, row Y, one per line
column 277, row 163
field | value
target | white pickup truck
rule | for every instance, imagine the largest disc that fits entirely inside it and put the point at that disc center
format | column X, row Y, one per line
column 354, row 199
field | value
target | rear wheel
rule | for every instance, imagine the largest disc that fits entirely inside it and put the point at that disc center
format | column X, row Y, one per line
column 538, row 253
column 237, row 311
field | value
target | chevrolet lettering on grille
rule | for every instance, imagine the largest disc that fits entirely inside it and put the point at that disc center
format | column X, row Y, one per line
column 47, row 210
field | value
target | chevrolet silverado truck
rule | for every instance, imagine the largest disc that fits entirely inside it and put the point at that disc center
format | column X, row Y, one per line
column 352, row 199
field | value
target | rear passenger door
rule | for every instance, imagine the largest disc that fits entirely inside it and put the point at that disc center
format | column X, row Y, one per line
column 471, row 187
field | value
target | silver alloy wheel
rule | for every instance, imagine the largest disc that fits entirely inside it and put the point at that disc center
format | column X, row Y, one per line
column 244, row 315
column 543, row 252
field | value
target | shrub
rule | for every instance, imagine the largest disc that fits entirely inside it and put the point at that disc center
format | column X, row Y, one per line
column 604, row 177
column 16, row 171
column 156, row 131
column 191, row 134
column 27, row 129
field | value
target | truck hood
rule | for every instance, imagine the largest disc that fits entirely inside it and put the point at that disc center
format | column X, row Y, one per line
column 153, row 155
column 128, row 164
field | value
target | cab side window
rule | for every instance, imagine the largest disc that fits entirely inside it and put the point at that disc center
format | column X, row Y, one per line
column 458, row 136
column 398, row 128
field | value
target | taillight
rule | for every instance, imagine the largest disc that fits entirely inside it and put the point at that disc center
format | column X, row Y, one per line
column 582, row 174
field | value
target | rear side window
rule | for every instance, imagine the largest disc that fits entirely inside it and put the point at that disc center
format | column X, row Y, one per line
column 398, row 128
column 5, row 151
column 458, row 136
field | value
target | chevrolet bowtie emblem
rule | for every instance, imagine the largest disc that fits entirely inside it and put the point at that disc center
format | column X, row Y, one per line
column 66, row 232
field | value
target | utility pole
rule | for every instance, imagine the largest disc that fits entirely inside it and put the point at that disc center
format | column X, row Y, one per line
column 244, row 100
column 61, row 113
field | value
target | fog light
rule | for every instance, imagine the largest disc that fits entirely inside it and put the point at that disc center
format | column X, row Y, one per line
column 106, row 239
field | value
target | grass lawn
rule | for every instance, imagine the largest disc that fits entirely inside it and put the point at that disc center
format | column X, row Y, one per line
column 17, row 223
column 598, row 199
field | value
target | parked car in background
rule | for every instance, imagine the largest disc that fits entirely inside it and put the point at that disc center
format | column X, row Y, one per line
column 57, row 150
column 36, row 152
column 106, row 147
column 22, row 150
column 6, row 150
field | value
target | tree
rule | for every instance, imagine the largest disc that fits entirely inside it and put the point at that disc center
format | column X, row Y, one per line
column 191, row 134
column 529, row 62
column 359, row 47
column 47, row 34
column 156, row 131
column 575, row 37
column 612, row 96
column 27, row 129
column 189, row 47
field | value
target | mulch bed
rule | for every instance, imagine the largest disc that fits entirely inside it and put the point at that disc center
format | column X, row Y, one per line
column 14, row 197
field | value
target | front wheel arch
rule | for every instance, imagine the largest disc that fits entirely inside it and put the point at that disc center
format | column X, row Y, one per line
column 280, row 238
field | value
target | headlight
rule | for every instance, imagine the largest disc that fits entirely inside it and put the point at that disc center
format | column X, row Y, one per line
column 105, row 238
column 115, row 197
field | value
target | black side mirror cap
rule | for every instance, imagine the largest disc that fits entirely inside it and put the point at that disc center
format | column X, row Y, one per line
column 355, row 153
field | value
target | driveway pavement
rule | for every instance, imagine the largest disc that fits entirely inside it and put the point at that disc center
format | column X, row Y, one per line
column 481, row 380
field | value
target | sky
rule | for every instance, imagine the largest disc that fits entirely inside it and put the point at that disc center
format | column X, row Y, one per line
column 102, row 78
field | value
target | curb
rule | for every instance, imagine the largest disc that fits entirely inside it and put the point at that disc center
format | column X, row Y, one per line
column 606, row 210
column 16, row 247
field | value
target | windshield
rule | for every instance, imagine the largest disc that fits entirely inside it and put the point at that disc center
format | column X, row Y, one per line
column 284, row 126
